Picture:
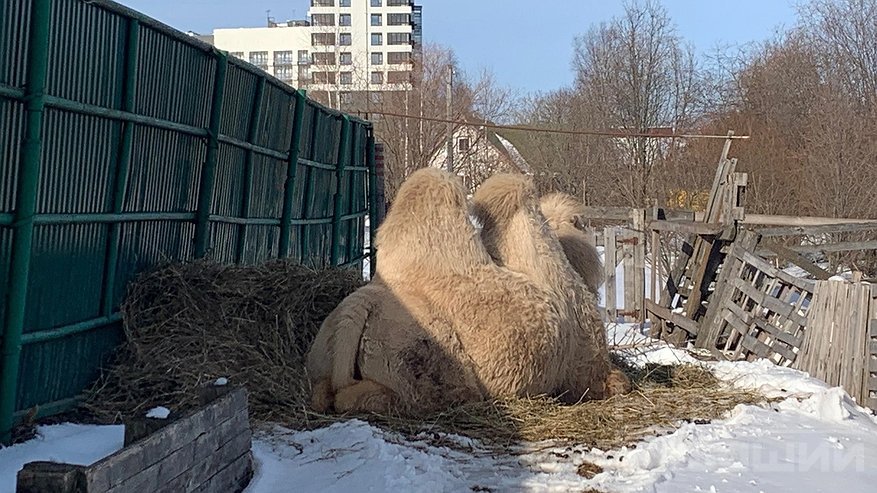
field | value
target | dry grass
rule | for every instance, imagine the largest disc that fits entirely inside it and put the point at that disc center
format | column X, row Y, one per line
column 190, row 324
column 664, row 397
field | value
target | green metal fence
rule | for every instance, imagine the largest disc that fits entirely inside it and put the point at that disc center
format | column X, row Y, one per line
column 124, row 143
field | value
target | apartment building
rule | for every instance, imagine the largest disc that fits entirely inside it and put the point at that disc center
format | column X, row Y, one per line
column 343, row 48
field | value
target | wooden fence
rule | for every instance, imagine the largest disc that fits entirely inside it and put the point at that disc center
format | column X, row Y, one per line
column 840, row 343
column 726, row 289
column 625, row 246
column 757, row 310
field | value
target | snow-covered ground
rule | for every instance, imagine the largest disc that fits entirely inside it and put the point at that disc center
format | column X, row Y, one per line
column 67, row 443
column 814, row 438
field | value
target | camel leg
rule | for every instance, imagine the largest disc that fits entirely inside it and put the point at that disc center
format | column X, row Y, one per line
column 321, row 396
column 617, row 383
column 365, row 395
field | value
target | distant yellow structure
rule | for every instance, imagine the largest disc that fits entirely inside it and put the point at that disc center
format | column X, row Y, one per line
column 693, row 200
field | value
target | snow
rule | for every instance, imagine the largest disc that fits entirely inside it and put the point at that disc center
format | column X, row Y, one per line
column 811, row 438
column 68, row 443
column 814, row 438
column 158, row 413
column 619, row 280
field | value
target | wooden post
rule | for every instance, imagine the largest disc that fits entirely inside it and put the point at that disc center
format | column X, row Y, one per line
column 628, row 267
column 638, row 222
column 655, row 251
column 609, row 262
column 41, row 477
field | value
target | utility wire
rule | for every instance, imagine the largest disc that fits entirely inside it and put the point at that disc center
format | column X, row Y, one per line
column 599, row 133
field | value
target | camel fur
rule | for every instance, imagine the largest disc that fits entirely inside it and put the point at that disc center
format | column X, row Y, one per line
column 523, row 240
column 564, row 215
column 441, row 322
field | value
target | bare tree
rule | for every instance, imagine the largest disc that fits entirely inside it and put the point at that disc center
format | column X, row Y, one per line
column 844, row 35
column 411, row 143
column 640, row 76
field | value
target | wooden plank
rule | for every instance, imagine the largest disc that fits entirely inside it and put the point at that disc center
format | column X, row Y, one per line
column 232, row 479
column 676, row 319
column 609, row 264
column 845, row 246
column 763, row 266
column 211, row 464
column 703, row 249
column 674, row 279
column 664, row 214
column 688, row 227
column 638, row 222
column 116, row 468
column 819, row 230
column 627, row 265
column 776, row 332
column 621, row 214
column 775, row 220
column 711, row 324
column 755, row 346
column 701, row 271
column 183, row 462
column 606, row 213
column 723, row 171
column 739, row 181
column 737, row 322
column 654, row 275
column 770, row 302
column 796, row 258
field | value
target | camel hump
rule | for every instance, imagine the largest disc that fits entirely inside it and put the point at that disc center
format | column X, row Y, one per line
column 560, row 208
column 501, row 196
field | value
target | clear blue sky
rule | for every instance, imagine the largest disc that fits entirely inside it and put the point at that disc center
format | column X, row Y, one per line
column 526, row 43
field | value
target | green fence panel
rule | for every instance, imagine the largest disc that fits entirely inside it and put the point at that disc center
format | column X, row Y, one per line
column 124, row 143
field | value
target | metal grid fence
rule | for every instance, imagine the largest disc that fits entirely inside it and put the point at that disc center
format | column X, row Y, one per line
column 124, row 143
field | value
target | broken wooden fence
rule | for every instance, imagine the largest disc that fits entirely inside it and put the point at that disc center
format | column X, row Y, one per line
column 840, row 342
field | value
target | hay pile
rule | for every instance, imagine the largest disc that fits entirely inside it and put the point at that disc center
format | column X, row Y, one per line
column 664, row 396
column 190, row 324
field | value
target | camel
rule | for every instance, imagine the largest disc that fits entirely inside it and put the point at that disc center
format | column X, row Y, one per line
column 442, row 322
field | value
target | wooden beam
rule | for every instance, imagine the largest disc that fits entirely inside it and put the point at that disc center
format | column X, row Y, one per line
column 843, row 246
column 796, row 258
column 772, row 220
column 676, row 319
column 764, row 266
column 688, row 227
column 606, row 213
column 819, row 230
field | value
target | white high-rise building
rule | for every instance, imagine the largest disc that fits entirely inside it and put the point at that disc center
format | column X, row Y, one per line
column 344, row 47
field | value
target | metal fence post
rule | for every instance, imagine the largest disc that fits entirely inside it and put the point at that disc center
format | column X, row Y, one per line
column 291, row 169
column 372, row 199
column 343, row 156
column 123, row 164
column 208, row 172
column 25, row 208
column 252, row 132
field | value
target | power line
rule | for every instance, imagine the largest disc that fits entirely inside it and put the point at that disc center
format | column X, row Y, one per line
column 598, row 133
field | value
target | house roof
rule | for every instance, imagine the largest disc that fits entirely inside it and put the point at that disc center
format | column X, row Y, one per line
column 509, row 151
